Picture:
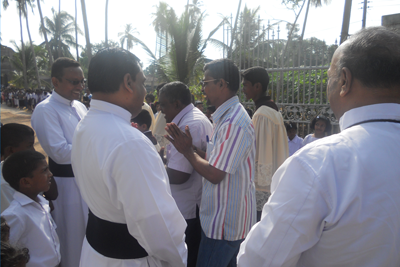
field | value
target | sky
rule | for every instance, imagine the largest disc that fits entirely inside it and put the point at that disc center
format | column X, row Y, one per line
column 324, row 23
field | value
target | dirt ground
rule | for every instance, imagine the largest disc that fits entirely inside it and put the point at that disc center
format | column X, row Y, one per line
column 15, row 115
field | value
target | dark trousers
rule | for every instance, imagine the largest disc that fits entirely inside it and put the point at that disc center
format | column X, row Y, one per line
column 193, row 237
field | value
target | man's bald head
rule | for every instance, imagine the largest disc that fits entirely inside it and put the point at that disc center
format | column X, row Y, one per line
column 373, row 57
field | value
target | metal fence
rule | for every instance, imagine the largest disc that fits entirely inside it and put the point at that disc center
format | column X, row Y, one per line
column 298, row 72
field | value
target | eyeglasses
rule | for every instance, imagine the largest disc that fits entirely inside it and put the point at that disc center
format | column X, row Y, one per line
column 204, row 83
column 75, row 83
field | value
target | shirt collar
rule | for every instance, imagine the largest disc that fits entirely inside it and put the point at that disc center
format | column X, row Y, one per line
column 218, row 114
column 57, row 97
column 388, row 111
column 110, row 108
column 25, row 200
column 182, row 113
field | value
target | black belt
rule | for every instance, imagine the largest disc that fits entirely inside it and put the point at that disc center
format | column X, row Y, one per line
column 112, row 240
column 60, row 170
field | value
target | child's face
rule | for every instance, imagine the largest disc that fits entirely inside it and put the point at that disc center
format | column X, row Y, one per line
column 291, row 133
column 41, row 178
column 319, row 127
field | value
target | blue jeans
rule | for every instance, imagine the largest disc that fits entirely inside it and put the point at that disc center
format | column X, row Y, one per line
column 217, row 253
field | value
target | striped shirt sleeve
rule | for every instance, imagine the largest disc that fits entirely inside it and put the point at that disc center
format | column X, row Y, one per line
column 231, row 148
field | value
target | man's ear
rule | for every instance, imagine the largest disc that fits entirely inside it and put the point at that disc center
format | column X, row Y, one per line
column 128, row 83
column 8, row 151
column 258, row 87
column 55, row 82
column 346, row 80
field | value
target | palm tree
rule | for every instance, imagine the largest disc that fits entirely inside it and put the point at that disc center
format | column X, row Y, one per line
column 45, row 34
column 39, row 60
column 85, row 21
column 60, row 28
column 127, row 36
column 76, row 32
column 21, row 8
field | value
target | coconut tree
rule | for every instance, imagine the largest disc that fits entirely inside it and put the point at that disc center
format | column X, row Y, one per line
column 40, row 58
column 76, row 32
column 87, row 37
column 20, row 8
column 128, row 36
column 106, row 26
column 60, row 27
column 50, row 55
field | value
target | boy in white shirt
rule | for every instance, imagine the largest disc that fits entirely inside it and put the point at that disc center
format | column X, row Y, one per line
column 295, row 142
column 28, row 215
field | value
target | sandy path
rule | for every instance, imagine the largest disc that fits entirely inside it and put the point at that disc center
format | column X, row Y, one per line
column 9, row 115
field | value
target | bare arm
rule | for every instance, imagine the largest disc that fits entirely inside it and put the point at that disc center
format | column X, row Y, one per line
column 183, row 143
column 177, row 177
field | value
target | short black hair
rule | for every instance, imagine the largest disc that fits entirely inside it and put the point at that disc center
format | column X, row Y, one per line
column 257, row 75
column 211, row 108
column 142, row 118
column 224, row 69
column 13, row 134
column 61, row 63
column 158, row 88
column 108, row 68
column 322, row 118
column 373, row 57
column 177, row 91
column 290, row 125
column 12, row 256
column 151, row 96
column 19, row 165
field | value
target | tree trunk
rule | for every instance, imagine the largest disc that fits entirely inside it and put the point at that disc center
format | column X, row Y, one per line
column 88, row 45
column 106, row 23
column 305, row 21
column 23, row 48
column 234, row 30
column 32, row 48
column 76, row 32
column 290, row 35
column 45, row 35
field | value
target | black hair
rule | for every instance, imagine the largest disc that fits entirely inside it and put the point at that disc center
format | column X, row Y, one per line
column 13, row 134
column 19, row 165
column 290, row 125
column 373, row 57
column 224, row 69
column 211, row 108
column 322, row 118
column 151, row 96
column 12, row 256
column 257, row 75
column 108, row 68
column 249, row 112
column 57, row 70
column 177, row 91
column 156, row 103
column 142, row 118
column 158, row 88
column 198, row 102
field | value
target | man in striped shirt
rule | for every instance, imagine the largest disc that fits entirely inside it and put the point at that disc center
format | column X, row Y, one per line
column 228, row 208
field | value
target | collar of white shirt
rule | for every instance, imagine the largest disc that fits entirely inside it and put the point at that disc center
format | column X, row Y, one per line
column 387, row 111
column 218, row 114
column 182, row 113
column 60, row 99
column 110, row 108
column 25, row 200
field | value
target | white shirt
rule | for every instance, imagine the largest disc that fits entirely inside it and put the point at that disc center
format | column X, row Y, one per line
column 188, row 194
column 336, row 202
column 308, row 139
column 122, row 179
column 294, row 144
column 7, row 191
column 54, row 121
column 31, row 226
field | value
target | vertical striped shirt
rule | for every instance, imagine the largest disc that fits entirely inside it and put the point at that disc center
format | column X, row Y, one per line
column 228, row 209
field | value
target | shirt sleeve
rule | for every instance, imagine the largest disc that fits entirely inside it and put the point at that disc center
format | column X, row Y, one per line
column 151, row 213
column 292, row 220
column 17, row 226
column 50, row 134
column 232, row 146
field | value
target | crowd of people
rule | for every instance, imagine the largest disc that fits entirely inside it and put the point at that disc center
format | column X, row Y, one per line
column 20, row 98
column 166, row 183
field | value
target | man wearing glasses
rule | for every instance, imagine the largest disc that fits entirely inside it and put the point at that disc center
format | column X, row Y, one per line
column 54, row 121
column 228, row 207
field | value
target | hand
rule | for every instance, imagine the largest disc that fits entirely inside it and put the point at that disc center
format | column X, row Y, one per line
column 134, row 125
column 181, row 141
